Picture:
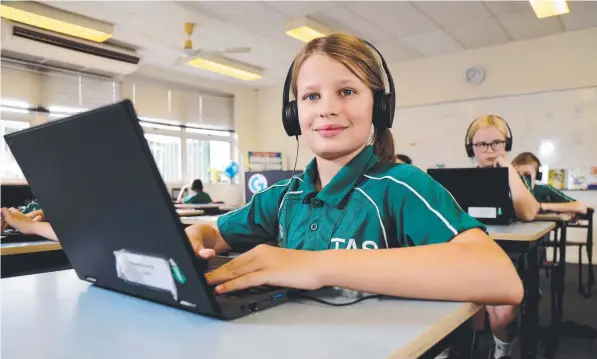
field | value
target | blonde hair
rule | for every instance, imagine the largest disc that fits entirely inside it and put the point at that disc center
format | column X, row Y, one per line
column 485, row 122
column 356, row 55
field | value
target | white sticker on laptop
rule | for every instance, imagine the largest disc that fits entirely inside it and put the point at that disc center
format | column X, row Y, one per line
column 146, row 270
column 482, row 212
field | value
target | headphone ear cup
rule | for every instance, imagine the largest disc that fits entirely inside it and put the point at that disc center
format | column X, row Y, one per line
column 381, row 109
column 508, row 144
column 469, row 150
column 539, row 174
column 291, row 119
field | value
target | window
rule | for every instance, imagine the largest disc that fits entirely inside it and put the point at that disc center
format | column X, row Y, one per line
column 166, row 151
column 219, row 157
column 197, row 160
column 10, row 167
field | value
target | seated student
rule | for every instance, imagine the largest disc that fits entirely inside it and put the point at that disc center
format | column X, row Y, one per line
column 429, row 248
column 488, row 140
column 351, row 197
column 197, row 196
column 549, row 198
column 400, row 158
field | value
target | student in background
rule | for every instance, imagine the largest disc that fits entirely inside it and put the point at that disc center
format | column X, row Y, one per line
column 550, row 199
column 488, row 140
column 400, row 158
column 196, row 195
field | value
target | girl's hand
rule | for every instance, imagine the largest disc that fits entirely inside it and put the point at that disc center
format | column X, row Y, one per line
column 14, row 218
column 267, row 265
column 500, row 162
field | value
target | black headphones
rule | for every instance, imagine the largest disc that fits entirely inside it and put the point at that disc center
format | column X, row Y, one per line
column 539, row 173
column 468, row 146
column 384, row 103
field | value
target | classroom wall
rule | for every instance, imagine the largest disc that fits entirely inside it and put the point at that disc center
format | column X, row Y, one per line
column 557, row 62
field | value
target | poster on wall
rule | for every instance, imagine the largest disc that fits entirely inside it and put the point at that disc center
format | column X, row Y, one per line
column 592, row 181
column 258, row 181
column 265, row 161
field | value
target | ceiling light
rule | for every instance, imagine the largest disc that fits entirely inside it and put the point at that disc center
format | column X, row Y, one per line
column 305, row 29
column 228, row 67
column 49, row 18
column 547, row 8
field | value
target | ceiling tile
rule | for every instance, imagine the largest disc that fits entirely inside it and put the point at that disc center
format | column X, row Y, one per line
column 396, row 18
column 396, row 51
column 525, row 25
column 506, row 7
column 432, row 43
column 480, row 33
column 225, row 10
column 342, row 19
column 583, row 14
column 447, row 13
column 301, row 8
column 267, row 21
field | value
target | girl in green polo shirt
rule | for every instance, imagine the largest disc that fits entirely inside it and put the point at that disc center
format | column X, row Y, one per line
column 549, row 198
column 351, row 198
column 488, row 141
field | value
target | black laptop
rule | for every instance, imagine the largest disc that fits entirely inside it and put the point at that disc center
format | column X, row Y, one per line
column 484, row 193
column 101, row 190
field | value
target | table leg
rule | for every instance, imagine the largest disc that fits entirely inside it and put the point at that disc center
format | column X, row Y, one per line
column 562, row 270
column 530, row 307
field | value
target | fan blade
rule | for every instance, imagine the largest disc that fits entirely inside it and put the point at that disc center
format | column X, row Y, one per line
column 192, row 53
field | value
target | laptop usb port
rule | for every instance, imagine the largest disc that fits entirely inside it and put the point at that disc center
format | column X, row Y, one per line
column 278, row 296
column 253, row 306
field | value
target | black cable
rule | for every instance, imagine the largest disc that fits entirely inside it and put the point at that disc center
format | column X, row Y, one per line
column 296, row 156
column 318, row 300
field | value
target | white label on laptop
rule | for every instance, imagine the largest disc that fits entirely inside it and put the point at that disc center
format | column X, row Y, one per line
column 482, row 212
column 149, row 271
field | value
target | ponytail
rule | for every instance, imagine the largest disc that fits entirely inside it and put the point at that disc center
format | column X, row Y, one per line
column 383, row 144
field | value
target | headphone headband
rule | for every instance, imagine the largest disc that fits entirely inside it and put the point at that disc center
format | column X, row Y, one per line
column 384, row 104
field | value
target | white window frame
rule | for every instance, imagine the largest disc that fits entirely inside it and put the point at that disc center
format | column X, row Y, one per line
column 11, row 114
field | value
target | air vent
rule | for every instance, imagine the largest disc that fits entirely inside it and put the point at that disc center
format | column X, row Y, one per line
column 45, row 38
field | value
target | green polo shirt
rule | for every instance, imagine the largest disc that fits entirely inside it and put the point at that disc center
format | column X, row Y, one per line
column 546, row 193
column 367, row 205
column 197, row 198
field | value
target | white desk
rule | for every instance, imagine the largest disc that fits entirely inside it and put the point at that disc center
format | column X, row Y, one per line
column 57, row 316
column 219, row 206
column 189, row 212
column 523, row 232
column 28, row 247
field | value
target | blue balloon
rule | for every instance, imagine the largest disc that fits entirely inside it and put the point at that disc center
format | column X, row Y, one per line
column 232, row 169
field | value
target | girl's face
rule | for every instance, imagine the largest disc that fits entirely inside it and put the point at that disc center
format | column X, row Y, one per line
column 335, row 108
column 488, row 144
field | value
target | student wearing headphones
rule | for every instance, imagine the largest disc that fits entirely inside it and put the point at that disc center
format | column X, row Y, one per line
column 352, row 198
column 550, row 199
column 488, row 140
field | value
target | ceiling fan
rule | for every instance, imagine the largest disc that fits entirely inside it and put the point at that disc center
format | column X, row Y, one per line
column 189, row 53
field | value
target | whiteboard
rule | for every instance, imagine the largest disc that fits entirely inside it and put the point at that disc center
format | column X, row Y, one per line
column 560, row 127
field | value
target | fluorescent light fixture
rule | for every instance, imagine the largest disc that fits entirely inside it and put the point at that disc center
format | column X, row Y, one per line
column 13, row 110
column 14, row 103
column 306, row 29
column 227, row 67
column 66, row 110
column 49, row 18
column 547, row 8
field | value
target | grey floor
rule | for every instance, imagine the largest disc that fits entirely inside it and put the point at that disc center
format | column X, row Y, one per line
column 577, row 309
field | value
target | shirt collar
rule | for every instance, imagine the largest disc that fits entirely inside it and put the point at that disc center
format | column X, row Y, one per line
column 343, row 182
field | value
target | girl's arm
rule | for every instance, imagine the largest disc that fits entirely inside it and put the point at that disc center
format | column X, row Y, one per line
column 12, row 217
column 183, row 190
column 206, row 237
column 525, row 204
column 471, row 267
column 568, row 207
